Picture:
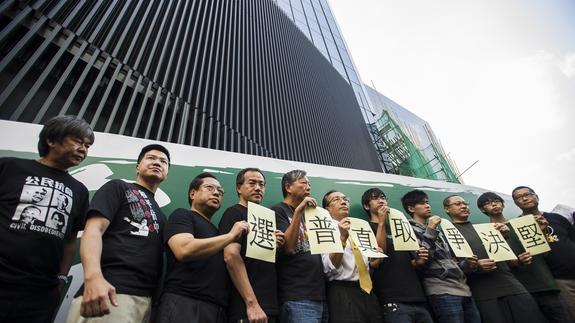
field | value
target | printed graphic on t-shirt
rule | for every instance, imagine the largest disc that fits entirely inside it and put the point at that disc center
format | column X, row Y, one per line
column 142, row 216
column 45, row 206
column 302, row 241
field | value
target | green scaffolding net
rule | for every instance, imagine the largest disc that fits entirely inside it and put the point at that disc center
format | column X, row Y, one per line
column 399, row 155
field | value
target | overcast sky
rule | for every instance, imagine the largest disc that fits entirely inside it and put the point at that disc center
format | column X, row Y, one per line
column 495, row 79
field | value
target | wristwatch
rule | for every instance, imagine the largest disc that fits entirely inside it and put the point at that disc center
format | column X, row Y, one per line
column 63, row 278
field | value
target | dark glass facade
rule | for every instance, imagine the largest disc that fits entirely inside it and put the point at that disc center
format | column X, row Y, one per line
column 233, row 75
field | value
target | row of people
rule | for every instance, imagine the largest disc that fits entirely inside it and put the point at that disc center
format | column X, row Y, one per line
column 209, row 278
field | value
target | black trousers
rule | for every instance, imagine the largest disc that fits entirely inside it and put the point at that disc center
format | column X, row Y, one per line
column 520, row 308
column 348, row 303
column 30, row 306
column 551, row 306
column 175, row 308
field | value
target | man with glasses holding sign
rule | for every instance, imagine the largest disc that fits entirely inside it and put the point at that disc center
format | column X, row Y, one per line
column 196, row 286
column 499, row 296
column 530, row 270
column 443, row 278
column 560, row 235
column 349, row 293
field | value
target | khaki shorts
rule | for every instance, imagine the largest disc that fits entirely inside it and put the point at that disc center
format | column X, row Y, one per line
column 131, row 309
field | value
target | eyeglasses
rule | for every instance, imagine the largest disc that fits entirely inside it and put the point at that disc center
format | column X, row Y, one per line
column 459, row 203
column 492, row 202
column 340, row 199
column 378, row 197
column 213, row 189
column 520, row 197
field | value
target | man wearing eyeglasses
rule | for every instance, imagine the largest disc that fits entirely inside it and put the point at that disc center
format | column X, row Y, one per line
column 443, row 278
column 196, row 287
column 499, row 296
column 531, row 271
column 561, row 237
column 401, row 296
column 121, row 247
column 349, row 290
column 254, row 296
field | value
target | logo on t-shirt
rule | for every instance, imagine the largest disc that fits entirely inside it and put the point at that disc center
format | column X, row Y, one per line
column 45, row 206
column 142, row 216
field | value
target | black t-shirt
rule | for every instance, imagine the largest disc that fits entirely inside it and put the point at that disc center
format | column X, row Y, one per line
column 561, row 258
column 41, row 209
column 205, row 279
column 395, row 280
column 493, row 284
column 536, row 277
column 132, row 246
column 300, row 276
column 261, row 274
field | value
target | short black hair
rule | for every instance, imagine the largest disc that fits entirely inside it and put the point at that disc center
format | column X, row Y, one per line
column 324, row 201
column 411, row 198
column 197, row 182
column 290, row 178
column 369, row 195
column 446, row 200
column 487, row 197
column 154, row 147
column 522, row 187
column 240, row 177
column 59, row 127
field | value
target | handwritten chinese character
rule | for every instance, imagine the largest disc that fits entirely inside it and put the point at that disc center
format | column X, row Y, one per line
column 363, row 238
column 455, row 237
column 323, row 229
column 530, row 235
column 263, row 230
column 495, row 241
column 403, row 230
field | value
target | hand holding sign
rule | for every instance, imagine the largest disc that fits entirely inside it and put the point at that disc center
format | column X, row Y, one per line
column 530, row 234
column 494, row 243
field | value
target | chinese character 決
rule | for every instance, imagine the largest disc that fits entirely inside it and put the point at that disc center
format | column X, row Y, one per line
column 495, row 241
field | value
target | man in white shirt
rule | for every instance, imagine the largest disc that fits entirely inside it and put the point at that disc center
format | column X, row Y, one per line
column 349, row 292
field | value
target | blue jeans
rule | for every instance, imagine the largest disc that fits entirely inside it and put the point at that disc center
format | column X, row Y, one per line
column 405, row 313
column 454, row 309
column 304, row 312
